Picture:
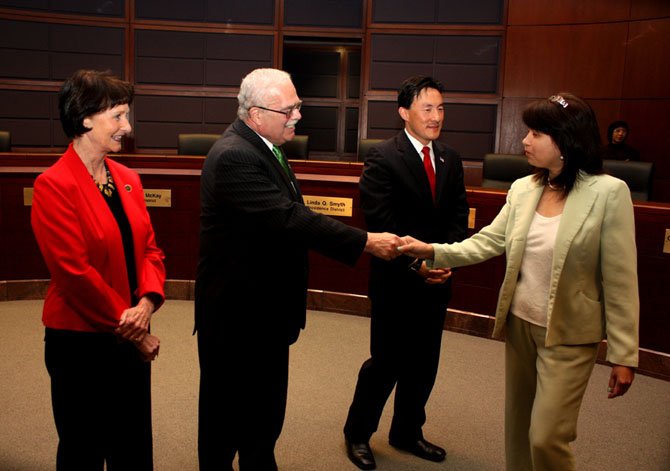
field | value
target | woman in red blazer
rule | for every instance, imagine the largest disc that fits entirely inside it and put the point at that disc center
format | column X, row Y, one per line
column 107, row 275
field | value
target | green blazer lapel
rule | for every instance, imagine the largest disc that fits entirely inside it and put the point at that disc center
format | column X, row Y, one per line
column 526, row 203
column 577, row 207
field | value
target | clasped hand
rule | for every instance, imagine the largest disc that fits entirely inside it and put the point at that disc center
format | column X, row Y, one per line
column 134, row 326
column 434, row 276
column 148, row 347
column 134, row 322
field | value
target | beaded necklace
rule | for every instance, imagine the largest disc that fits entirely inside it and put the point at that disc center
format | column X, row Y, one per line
column 106, row 188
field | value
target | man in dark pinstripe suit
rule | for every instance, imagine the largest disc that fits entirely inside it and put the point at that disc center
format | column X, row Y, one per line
column 251, row 282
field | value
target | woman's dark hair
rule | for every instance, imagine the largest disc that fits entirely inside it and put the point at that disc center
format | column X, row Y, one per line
column 613, row 126
column 413, row 86
column 88, row 92
column 572, row 125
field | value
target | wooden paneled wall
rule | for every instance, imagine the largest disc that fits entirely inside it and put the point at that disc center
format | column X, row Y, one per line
column 468, row 127
column 159, row 119
column 438, row 12
column 466, row 64
column 614, row 53
column 186, row 59
column 260, row 12
column 183, row 58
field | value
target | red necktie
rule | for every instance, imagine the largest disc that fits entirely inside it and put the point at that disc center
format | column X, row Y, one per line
column 430, row 172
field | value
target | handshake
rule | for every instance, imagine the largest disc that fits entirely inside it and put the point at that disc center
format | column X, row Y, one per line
column 388, row 246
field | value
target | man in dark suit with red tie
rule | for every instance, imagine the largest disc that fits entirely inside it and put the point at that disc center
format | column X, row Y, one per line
column 411, row 184
column 251, row 281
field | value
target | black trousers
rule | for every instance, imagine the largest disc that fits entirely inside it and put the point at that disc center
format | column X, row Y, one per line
column 101, row 397
column 243, row 388
column 405, row 343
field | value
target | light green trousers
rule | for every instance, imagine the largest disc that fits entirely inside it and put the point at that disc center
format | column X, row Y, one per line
column 544, row 387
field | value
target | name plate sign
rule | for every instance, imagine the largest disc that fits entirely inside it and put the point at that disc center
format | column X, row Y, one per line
column 154, row 198
column 158, row 198
column 329, row 205
column 27, row 197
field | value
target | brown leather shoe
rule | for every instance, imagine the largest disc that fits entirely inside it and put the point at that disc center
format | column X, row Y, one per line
column 360, row 454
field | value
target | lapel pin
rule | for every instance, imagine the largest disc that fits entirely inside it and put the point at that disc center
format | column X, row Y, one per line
column 128, row 188
column 442, row 159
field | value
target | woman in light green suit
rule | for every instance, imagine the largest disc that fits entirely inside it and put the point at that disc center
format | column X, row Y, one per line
column 571, row 280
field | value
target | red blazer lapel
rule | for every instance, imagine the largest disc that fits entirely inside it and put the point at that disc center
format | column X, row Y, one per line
column 102, row 220
column 148, row 257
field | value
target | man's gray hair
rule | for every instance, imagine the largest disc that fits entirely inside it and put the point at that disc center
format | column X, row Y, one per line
column 258, row 87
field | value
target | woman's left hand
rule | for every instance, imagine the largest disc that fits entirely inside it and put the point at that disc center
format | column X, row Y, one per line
column 620, row 380
column 134, row 322
column 148, row 347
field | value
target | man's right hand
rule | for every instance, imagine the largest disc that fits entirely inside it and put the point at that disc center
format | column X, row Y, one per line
column 434, row 276
column 383, row 245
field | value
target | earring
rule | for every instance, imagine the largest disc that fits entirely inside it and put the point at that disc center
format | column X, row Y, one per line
column 562, row 158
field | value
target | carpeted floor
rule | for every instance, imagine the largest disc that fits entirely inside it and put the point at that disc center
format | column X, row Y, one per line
column 465, row 413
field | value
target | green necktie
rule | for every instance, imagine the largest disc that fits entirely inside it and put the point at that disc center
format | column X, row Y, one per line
column 282, row 160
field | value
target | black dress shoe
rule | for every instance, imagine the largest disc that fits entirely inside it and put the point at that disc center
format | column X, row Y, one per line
column 421, row 448
column 360, row 454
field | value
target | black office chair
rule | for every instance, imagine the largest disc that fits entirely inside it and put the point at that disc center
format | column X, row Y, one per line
column 637, row 175
column 364, row 146
column 500, row 170
column 195, row 144
column 5, row 141
column 297, row 148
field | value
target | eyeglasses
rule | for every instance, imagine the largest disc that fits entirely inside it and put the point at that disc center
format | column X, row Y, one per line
column 288, row 112
column 559, row 100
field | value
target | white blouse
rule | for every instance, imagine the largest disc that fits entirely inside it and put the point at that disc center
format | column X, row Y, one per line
column 531, row 296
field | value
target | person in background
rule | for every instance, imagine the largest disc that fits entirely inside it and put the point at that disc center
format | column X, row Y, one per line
column 616, row 148
column 571, row 280
column 107, row 275
column 411, row 184
column 251, row 280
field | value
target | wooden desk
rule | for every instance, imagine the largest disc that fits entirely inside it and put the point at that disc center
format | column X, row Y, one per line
column 333, row 286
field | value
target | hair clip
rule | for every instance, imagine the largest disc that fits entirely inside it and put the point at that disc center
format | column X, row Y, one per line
column 559, row 100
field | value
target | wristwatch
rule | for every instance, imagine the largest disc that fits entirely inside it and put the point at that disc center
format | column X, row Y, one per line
column 415, row 266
